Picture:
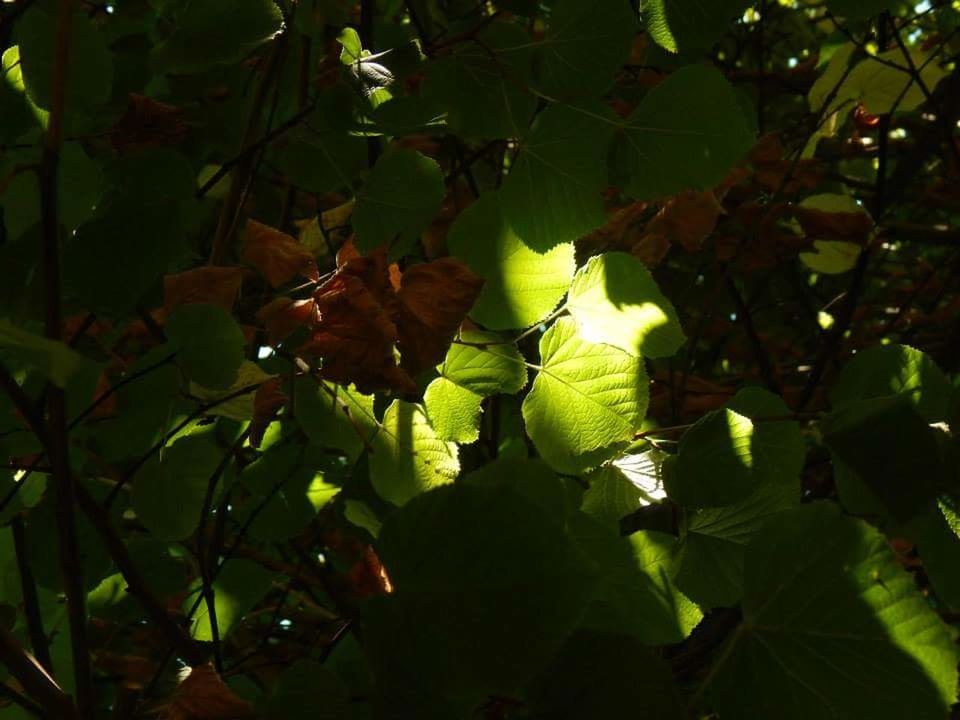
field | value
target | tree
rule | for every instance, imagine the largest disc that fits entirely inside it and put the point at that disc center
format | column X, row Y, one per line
column 456, row 359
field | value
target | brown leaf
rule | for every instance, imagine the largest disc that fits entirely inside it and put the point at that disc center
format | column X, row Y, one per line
column 434, row 299
column 283, row 315
column 368, row 577
column 148, row 123
column 215, row 285
column 687, row 219
column 822, row 225
column 369, row 313
column 773, row 170
column 355, row 336
column 136, row 672
column 276, row 255
column 204, row 696
column 620, row 232
column 651, row 249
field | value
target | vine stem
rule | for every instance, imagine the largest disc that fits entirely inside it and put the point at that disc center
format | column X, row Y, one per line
column 59, row 449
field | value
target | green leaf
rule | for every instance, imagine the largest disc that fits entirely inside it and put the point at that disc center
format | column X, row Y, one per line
column 587, row 41
column 308, row 690
column 287, row 489
column 605, row 676
column 44, row 526
column 146, row 407
column 469, row 373
column 79, row 187
column 217, row 32
column 237, row 589
column 29, row 492
column 688, row 26
column 55, row 360
column 351, row 49
column 893, row 369
column 889, row 447
column 833, row 623
column 232, row 402
column 939, row 549
column 485, row 363
column 455, row 638
column 168, row 491
column 533, row 479
column 333, row 416
column 611, row 496
column 883, row 84
column 484, row 92
column 408, row 458
column 714, row 542
column 636, row 594
column 363, row 516
column 521, row 285
column 553, row 192
column 860, row 9
column 726, row 455
column 400, row 198
column 454, row 410
column 832, row 257
column 714, row 464
column 89, row 72
column 616, row 301
column 209, row 344
column 106, row 242
column 830, row 82
column 625, row 484
column 166, row 576
column 321, row 155
column 18, row 116
column 687, row 132
column 586, row 397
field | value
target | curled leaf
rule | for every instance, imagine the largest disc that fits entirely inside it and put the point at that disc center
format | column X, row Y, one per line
column 369, row 313
column 279, row 257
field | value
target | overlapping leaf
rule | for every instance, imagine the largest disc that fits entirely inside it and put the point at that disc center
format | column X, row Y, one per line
column 586, row 397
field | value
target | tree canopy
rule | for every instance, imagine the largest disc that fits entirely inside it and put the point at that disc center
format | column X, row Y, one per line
column 479, row 359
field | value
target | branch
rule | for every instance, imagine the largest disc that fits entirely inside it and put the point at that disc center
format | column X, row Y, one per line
column 34, row 679
column 191, row 651
column 243, row 174
column 759, row 350
column 31, row 602
column 57, row 441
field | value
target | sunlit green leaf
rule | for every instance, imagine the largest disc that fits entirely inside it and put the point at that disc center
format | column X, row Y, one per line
column 522, row 285
column 616, row 301
column 586, row 396
column 407, row 456
column 827, row 610
column 552, row 194
column 236, row 589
